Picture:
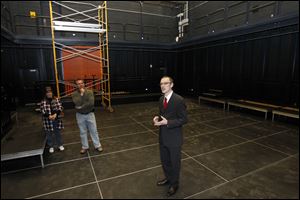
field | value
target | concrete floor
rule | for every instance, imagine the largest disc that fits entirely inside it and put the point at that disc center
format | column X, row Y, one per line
column 225, row 155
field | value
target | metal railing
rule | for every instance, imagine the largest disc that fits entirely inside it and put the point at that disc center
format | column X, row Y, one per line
column 41, row 26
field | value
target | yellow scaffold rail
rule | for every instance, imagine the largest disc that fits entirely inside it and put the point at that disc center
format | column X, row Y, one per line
column 103, row 42
column 54, row 51
column 70, row 23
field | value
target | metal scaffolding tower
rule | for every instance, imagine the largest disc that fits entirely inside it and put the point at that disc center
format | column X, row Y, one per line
column 73, row 22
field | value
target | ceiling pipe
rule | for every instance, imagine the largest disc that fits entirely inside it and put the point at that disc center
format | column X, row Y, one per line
column 183, row 20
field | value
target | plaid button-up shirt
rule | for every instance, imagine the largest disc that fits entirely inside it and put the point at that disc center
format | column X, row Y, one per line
column 46, row 111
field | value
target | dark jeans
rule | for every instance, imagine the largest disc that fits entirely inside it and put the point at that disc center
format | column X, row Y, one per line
column 53, row 136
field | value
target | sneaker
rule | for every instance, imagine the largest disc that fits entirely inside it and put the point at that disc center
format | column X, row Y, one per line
column 100, row 149
column 51, row 150
column 61, row 148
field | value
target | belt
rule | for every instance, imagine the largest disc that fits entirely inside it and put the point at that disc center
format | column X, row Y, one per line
column 85, row 113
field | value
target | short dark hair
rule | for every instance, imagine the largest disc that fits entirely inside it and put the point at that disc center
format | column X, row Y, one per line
column 48, row 89
column 171, row 80
column 79, row 79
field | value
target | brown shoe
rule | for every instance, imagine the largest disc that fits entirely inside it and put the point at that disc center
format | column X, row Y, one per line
column 83, row 151
column 172, row 190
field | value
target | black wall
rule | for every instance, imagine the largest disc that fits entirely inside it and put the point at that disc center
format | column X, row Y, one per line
column 261, row 66
column 259, row 63
column 209, row 17
column 153, row 21
column 139, row 69
column 128, row 20
column 134, row 68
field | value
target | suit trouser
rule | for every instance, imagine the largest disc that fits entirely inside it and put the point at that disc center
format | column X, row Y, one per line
column 171, row 162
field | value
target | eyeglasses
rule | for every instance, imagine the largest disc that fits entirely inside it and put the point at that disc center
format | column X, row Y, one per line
column 165, row 83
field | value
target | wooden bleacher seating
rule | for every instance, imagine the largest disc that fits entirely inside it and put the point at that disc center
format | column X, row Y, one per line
column 213, row 95
column 286, row 111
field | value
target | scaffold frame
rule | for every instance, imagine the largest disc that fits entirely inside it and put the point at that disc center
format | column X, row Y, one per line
column 60, row 22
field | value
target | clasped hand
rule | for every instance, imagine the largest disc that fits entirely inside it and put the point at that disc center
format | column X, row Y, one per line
column 164, row 121
column 52, row 117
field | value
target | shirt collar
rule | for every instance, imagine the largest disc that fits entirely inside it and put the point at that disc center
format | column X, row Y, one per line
column 169, row 96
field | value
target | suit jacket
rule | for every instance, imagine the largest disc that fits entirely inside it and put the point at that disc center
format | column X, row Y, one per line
column 170, row 135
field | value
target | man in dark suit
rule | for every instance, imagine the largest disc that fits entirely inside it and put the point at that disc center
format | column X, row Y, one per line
column 172, row 115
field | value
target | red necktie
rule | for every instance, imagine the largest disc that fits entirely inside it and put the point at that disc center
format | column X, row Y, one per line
column 165, row 103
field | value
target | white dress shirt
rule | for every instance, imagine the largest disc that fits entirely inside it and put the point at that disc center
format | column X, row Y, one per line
column 169, row 96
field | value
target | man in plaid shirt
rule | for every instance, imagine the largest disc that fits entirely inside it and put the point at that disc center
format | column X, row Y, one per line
column 51, row 109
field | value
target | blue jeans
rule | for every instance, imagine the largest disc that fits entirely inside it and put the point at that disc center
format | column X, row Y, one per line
column 87, row 122
column 56, row 134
